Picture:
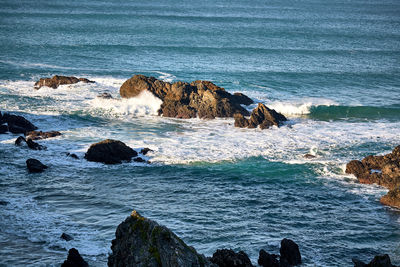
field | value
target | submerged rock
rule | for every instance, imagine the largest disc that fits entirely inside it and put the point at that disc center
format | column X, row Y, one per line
column 4, row 203
column 110, row 152
column 183, row 100
column 74, row 259
column 229, row 258
column 261, row 116
column 66, row 237
column 58, row 80
column 381, row 170
column 35, row 165
column 377, row 261
column 16, row 124
column 37, row 135
column 142, row 242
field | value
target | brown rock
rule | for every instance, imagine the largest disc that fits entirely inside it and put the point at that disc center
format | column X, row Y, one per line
column 240, row 121
column 392, row 198
column 110, row 152
column 37, row 135
column 242, row 99
column 261, row 116
column 58, row 80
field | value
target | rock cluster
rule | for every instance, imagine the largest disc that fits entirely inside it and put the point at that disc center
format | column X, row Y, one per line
column 183, row 100
column 15, row 124
column 377, row 261
column 381, row 170
column 21, row 141
column 142, row 242
column 58, row 80
column 110, row 152
column 289, row 255
column 261, row 116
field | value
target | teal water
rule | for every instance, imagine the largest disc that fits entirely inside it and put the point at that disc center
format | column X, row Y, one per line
column 331, row 67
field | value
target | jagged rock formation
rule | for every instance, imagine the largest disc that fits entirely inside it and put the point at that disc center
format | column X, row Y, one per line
column 261, row 116
column 377, row 261
column 15, row 124
column 35, row 165
column 183, row 100
column 74, row 259
column 110, row 152
column 37, row 135
column 228, row 258
column 381, row 170
column 289, row 255
column 142, row 242
column 58, row 80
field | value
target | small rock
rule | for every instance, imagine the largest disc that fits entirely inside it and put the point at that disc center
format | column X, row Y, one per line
column 37, row 135
column 17, row 124
column 74, row 259
column 4, row 203
column 72, row 155
column 268, row 260
column 392, row 198
column 84, row 80
column 34, row 146
column 228, row 258
column 377, row 261
column 290, row 251
column 105, row 96
column 58, row 80
column 35, row 165
column 110, row 152
column 261, row 116
column 20, row 141
column 66, row 237
column 145, row 150
column 138, row 159
column 309, row 156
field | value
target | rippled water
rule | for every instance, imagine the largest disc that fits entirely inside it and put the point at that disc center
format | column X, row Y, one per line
column 332, row 68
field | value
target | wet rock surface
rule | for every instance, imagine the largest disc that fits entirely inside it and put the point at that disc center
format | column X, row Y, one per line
column 110, row 152
column 74, row 259
column 183, row 100
column 261, row 116
column 229, row 258
column 381, row 170
column 58, row 80
column 143, row 242
column 38, row 135
column 35, row 166
column 15, row 124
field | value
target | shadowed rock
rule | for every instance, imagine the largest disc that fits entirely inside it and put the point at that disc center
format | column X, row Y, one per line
column 290, row 251
column 242, row 99
column 21, row 141
column 72, row 155
column 377, row 261
column 16, row 124
column 268, row 260
column 74, row 259
column 145, row 150
column 261, row 116
column 183, row 100
column 66, row 237
column 110, row 152
column 35, row 165
column 58, row 80
column 381, row 170
column 37, row 135
column 3, row 128
column 228, row 258
column 142, row 242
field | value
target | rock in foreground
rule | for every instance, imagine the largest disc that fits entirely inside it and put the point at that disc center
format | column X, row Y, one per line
column 35, row 165
column 110, row 152
column 142, row 242
column 261, row 116
column 74, row 259
column 377, row 261
column 381, row 170
column 228, row 258
column 58, row 80
column 183, row 100
column 15, row 124
column 290, row 252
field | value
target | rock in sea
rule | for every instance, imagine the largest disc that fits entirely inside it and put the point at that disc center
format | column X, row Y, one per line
column 16, row 124
column 229, row 258
column 261, row 116
column 377, row 261
column 143, row 242
column 58, row 80
column 37, row 135
column 74, row 259
column 110, row 152
column 35, row 165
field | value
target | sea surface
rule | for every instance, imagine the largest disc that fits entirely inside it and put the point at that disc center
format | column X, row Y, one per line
column 332, row 67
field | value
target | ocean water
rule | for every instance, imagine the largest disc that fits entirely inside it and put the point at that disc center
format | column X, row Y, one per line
column 332, row 67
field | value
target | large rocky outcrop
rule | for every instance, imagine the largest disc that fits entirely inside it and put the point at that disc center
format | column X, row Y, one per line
column 381, row 170
column 377, row 261
column 183, row 100
column 143, row 242
column 110, row 152
column 58, row 80
column 261, row 116
column 15, row 124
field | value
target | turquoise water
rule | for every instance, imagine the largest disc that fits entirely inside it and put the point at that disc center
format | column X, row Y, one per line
column 331, row 67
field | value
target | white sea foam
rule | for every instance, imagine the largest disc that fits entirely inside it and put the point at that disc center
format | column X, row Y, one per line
column 167, row 77
column 299, row 107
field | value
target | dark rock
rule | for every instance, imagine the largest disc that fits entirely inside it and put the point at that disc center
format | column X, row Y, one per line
column 290, row 251
column 309, row 156
column 392, row 198
column 110, row 152
column 261, row 116
column 377, row 261
column 66, row 237
column 183, row 100
column 242, row 99
column 105, row 95
column 17, row 124
column 228, row 258
column 74, row 259
column 138, row 159
column 35, row 166
column 33, row 145
column 20, row 141
column 142, row 242
column 268, row 260
column 37, row 135
column 58, row 80
column 381, row 170
column 72, row 155
column 145, row 150
column 4, row 203
column 3, row 128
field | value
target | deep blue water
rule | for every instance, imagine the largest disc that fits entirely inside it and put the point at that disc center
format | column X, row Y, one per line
column 332, row 67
